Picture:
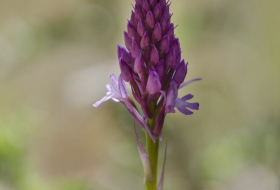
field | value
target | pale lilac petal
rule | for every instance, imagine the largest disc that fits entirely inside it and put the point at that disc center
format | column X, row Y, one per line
column 114, row 85
column 122, row 87
column 187, row 97
column 105, row 98
column 115, row 100
column 144, row 158
column 109, row 88
column 189, row 82
column 160, row 182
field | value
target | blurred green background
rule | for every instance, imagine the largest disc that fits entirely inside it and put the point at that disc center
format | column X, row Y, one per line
column 56, row 57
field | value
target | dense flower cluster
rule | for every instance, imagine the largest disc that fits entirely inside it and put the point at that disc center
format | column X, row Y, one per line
column 151, row 63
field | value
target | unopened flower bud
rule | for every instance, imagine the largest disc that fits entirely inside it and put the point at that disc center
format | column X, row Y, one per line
column 153, row 3
column 146, row 5
column 138, row 13
column 164, row 23
column 154, row 58
column 157, row 12
column 180, row 73
column 170, row 58
column 139, row 63
column 140, row 28
column 125, row 55
column 164, row 44
column 131, row 30
column 134, row 49
column 125, row 70
column 150, row 19
column 145, row 41
column 157, row 32
column 127, row 41
column 160, row 68
column 153, row 83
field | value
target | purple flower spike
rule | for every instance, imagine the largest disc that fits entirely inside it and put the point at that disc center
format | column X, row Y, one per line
column 152, row 64
column 153, row 84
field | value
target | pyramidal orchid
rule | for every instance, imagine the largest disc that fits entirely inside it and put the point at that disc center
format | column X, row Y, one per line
column 151, row 64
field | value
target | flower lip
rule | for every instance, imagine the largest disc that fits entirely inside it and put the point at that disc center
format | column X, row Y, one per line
column 116, row 90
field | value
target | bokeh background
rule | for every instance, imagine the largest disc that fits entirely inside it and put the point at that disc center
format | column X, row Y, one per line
column 56, row 57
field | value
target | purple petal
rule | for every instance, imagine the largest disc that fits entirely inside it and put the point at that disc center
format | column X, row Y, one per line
column 144, row 158
column 189, row 82
column 160, row 183
column 184, row 110
column 193, row 106
column 187, row 97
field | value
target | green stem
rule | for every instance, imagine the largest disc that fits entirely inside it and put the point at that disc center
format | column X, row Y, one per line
column 152, row 151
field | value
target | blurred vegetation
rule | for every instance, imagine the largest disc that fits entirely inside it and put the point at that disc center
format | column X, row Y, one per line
column 55, row 59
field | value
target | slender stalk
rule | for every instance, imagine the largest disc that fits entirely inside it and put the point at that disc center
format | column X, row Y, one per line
column 152, row 151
